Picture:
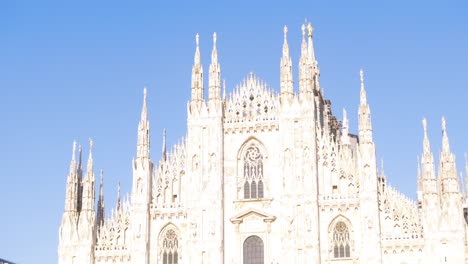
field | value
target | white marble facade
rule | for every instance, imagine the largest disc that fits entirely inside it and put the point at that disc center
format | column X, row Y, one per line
column 263, row 177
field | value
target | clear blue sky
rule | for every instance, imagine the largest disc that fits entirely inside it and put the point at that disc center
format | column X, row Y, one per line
column 76, row 69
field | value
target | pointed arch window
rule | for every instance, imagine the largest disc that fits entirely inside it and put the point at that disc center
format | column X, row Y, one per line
column 253, row 250
column 341, row 241
column 170, row 247
column 253, row 173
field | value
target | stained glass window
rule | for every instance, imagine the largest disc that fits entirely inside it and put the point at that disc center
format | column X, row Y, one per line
column 253, row 173
column 170, row 246
column 341, row 241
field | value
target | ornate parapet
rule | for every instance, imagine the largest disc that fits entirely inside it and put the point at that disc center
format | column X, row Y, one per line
column 251, row 102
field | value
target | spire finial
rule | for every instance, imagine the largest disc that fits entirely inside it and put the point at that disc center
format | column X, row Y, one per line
column 90, row 157
column 445, row 140
column 361, row 73
column 164, row 145
column 91, row 145
column 214, row 53
column 144, row 111
column 363, row 90
column 102, row 181
column 444, row 125
column 80, row 150
column 197, row 50
column 303, row 32
column 285, row 30
column 426, row 144
column 74, row 150
column 424, row 122
column 309, row 29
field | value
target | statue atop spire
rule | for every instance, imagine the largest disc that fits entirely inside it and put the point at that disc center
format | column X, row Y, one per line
column 286, row 78
column 214, row 83
column 311, row 51
column 163, row 152
column 144, row 111
column 90, row 158
column 143, row 131
column 304, row 67
column 214, row 53
column 197, row 50
column 285, row 44
column 445, row 140
column 197, row 77
column 363, row 90
column 100, row 211
column 118, row 204
column 365, row 123
column 309, row 30
column 426, row 144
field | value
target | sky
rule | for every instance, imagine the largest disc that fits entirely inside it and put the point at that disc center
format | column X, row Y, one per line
column 74, row 70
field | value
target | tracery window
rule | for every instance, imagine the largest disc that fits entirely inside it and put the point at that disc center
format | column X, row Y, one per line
column 170, row 246
column 253, row 173
column 253, row 250
column 341, row 241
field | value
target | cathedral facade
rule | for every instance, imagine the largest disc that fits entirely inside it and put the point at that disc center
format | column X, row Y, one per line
column 266, row 177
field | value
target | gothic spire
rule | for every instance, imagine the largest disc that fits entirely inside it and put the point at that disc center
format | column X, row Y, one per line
column 215, row 74
column 197, row 50
column 286, row 68
column 445, row 140
column 88, row 182
column 197, row 75
column 101, row 211
column 214, row 52
column 363, row 95
column 310, row 45
column 143, row 142
column 163, row 152
column 447, row 167
column 79, row 168
column 303, row 43
column 303, row 64
column 427, row 160
column 365, row 124
column 426, row 144
column 73, row 162
column 144, row 110
column 90, row 164
column 79, row 176
column 72, row 185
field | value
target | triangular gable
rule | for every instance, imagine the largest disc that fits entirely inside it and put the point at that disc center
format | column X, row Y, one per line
column 239, row 218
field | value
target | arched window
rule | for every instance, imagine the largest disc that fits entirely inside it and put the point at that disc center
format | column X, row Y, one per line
column 341, row 241
column 253, row 250
column 170, row 247
column 253, row 173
